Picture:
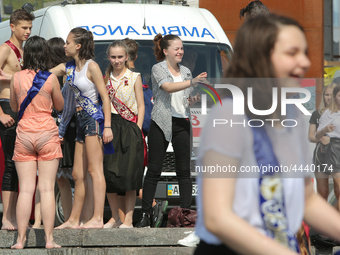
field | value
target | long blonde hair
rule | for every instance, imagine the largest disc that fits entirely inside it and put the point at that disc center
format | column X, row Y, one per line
column 304, row 244
column 333, row 107
column 323, row 106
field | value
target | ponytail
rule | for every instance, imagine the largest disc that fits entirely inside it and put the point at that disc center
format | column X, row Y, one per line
column 162, row 43
column 85, row 39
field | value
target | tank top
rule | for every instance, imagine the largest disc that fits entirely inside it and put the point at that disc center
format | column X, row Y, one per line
column 87, row 87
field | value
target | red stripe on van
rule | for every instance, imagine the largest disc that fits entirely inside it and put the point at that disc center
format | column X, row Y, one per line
column 196, row 132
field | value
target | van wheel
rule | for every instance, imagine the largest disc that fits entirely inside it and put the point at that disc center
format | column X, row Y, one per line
column 59, row 213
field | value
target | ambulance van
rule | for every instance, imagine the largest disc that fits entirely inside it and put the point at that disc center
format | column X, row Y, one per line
column 204, row 42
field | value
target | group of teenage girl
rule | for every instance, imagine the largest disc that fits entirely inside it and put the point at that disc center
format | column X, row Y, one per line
column 106, row 116
column 257, row 215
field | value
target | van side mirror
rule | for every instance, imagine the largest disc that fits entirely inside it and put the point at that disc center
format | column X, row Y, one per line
column 8, row 9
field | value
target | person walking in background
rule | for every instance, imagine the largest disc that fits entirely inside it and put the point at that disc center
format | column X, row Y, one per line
column 124, row 169
column 34, row 91
column 172, row 84
column 322, row 144
column 93, row 125
column 10, row 62
column 329, row 124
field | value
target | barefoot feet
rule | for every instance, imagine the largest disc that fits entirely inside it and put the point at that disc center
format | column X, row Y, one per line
column 112, row 223
column 19, row 244
column 8, row 225
column 93, row 224
column 125, row 226
column 37, row 226
column 52, row 245
column 68, row 225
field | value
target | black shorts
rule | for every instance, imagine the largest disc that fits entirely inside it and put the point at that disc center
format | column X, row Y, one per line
column 8, row 136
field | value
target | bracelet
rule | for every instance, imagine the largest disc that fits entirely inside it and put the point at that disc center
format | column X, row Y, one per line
column 107, row 127
column 192, row 85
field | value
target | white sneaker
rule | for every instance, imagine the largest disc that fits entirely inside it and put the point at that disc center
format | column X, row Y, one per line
column 190, row 241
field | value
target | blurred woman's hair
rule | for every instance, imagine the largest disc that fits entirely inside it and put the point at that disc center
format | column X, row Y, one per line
column 253, row 47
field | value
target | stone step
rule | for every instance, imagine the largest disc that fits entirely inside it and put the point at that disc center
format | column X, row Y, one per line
column 148, row 241
column 153, row 237
column 102, row 251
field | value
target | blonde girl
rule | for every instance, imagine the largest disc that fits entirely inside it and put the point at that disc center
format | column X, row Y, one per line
column 124, row 169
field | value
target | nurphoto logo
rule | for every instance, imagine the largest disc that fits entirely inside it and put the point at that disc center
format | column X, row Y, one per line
column 287, row 96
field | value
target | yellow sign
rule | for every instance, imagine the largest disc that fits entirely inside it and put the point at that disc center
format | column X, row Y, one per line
column 330, row 73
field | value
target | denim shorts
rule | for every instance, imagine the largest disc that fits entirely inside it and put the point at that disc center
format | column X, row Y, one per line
column 86, row 126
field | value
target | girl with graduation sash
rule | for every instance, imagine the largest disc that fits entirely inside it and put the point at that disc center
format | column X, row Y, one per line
column 258, row 212
column 85, row 81
column 34, row 91
column 124, row 169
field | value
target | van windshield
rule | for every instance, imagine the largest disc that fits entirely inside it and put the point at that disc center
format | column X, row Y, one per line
column 212, row 58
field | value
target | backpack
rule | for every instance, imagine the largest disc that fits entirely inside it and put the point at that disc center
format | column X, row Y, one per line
column 181, row 217
column 148, row 102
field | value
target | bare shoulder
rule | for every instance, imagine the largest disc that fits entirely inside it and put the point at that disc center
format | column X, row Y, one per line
column 94, row 69
column 53, row 77
column 54, row 80
column 5, row 48
column 8, row 60
column 59, row 70
column 93, row 66
column 5, row 51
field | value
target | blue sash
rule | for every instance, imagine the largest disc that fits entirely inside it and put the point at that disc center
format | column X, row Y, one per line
column 38, row 82
column 272, row 206
column 86, row 103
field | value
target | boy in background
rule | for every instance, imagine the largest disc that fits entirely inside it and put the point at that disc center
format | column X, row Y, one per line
column 11, row 53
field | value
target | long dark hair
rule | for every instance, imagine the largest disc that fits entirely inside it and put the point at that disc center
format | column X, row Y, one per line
column 162, row 43
column 36, row 54
column 57, row 51
column 254, row 45
column 85, row 39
